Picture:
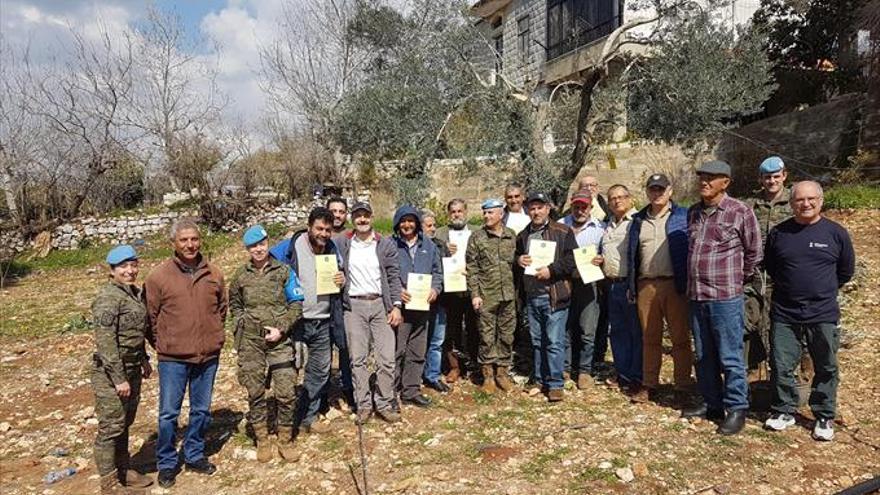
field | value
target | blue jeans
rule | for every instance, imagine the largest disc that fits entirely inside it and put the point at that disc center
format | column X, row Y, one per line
column 173, row 380
column 315, row 334
column 434, row 356
column 547, row 329
column 583, row 316
column 625, row 334
column 718, row 328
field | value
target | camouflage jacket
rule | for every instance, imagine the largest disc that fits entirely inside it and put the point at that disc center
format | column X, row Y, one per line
column 256, row 298
column 770, row 213
column 489, row 260
column 120, row 319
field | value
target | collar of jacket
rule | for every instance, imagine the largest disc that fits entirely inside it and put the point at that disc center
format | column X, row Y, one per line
column 643, row 213
column 505, row 233
column 130, row 289
column 271, row 264
column 759, row 197
column 376, row 236
column 203, row 263
column 401, row 242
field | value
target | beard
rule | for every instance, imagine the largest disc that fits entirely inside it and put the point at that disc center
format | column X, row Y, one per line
column 458, row 224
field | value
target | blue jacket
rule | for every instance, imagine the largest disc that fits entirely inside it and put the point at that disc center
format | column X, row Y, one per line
column 676, row 239
column 285, row 252
column 427, row 256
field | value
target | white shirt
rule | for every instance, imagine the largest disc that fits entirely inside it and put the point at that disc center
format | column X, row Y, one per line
column 363, row 268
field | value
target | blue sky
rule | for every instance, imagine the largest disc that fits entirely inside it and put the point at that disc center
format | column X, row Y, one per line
column 236, row 27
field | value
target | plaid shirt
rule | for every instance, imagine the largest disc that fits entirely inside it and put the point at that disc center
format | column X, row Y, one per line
column 723, row 250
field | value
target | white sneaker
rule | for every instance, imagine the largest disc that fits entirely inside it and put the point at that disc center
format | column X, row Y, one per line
column 779, row 422
column 823, row 430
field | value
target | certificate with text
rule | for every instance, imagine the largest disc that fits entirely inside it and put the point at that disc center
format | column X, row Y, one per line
column 460, row 239
column 542, row 252
column 419, row 287
column 583, row 258
column 326, row 269
column 453, row 275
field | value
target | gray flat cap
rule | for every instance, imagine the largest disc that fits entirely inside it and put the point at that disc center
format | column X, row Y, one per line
column 714, row 167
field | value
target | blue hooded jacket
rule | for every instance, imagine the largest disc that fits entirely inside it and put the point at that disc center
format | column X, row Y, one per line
column 426, row 258
column 676, row 239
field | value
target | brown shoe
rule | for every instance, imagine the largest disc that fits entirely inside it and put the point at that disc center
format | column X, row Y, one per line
column 454, row 368
column 585, row 381
column 264, row 444
column 502, row 379
column 641, row 395
column 555, row 395
column 488, row 379
column 110, row 485
column 566, row 376
column 134, row 479
column 317, row 426
column 389, row 415
column 285, row 444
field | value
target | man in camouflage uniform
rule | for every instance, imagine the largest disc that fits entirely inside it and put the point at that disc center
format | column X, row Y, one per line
column 489, row 258
column 119, row 363
column 771, row 207
column 263, row 317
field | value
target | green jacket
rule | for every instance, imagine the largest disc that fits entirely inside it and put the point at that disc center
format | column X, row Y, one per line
column 256, row 298
column 489, row 259
column 770, row 213
column 120, row 319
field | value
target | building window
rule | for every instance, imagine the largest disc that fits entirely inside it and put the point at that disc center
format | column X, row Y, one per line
column 499, row 53
column 572, row 24
column 524, row 37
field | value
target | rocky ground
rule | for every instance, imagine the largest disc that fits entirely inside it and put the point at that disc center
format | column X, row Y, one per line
column 594, row 442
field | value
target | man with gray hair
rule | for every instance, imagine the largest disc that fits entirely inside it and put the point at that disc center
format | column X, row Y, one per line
column 186, row 306
column 809, row 258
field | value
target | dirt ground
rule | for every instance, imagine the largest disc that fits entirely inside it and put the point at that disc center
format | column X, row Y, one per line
column 593, row 442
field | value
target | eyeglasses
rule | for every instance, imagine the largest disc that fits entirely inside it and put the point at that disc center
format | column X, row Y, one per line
column 618, row 198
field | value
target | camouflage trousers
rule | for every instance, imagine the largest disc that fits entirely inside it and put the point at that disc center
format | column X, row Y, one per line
column 262, row 365
column 115, row 416
column 497, row 327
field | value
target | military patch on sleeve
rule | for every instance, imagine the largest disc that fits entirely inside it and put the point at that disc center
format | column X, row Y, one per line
column 106, row 319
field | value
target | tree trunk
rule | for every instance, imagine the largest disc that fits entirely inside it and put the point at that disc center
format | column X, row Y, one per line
column 583, row 138
column 9, row 192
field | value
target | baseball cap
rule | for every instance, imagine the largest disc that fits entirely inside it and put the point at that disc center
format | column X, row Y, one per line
column 362, row 205
column 582, row 196
column 538, row 197
column 657, row 180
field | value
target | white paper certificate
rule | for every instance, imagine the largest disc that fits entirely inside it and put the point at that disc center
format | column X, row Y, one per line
column 419, row 287
column 326, row 268
column 583, row 258
column 453, row 275
column 542, row 253
column 460, row 239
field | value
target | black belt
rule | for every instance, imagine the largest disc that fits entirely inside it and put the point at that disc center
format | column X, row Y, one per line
column 616, row 280
column 367, row 297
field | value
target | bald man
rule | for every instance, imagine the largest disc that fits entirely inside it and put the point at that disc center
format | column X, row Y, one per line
column 809, row 258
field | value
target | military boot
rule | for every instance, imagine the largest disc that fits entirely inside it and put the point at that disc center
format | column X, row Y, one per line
column 264, row 444
column 454, row 369
column 110, row 485
column 134, row 479
column 285, row 444
column 488, row 379
column 502, row 378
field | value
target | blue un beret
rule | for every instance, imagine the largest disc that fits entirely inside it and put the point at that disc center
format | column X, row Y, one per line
column 492, row 203
column 771, row 165
column 121, row 254
column 254, row 235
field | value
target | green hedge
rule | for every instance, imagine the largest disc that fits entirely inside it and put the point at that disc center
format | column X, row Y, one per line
column 848, row 196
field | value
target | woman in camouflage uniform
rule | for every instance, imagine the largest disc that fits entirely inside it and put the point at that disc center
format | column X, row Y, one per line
column 120, row 362
column 264, row 312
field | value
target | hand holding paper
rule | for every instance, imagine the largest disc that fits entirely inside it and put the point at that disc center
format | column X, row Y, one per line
column 542, row 254
column 583, row 258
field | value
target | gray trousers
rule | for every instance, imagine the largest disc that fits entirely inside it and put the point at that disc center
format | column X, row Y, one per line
column 366, row 328
column 412, row 344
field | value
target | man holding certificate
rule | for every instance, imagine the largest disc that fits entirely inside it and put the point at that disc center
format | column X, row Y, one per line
column 422, row 281
column 490, row 281
column 544, row 252
column 314, row 258
column 583, row 316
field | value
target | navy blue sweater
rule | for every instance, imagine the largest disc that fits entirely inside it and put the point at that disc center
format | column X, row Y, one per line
column 808, row 263
column 676, row 239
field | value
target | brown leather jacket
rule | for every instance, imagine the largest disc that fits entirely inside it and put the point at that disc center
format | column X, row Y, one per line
column 186, row 310
column 561, row 270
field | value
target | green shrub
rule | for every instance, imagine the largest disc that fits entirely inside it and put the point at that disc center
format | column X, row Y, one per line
column 846, row 196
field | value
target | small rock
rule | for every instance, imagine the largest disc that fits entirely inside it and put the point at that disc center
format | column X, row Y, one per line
column 5, row 426
column 92, row 421
column 640, row 469
column 327, row 467
column 246, row 454
column 722, row 489
column 625, row 474
column 605, row 465
column 332, row 414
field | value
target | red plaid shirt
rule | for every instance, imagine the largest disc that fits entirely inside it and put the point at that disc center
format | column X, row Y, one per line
column 723, row 250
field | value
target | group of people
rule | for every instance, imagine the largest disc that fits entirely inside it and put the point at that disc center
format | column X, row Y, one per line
column 523, row 293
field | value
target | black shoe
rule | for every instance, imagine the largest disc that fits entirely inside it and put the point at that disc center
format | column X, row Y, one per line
column 733, row 423
column 201, row 466
column 438, row 386
column 167, row 477
column 418, row 401
column 702, row 411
